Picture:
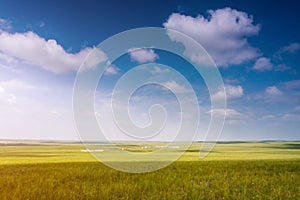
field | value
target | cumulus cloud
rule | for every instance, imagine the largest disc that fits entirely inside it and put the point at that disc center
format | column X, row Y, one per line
column 223, row 34
column 273, row 91
column 30, row 48
column 232, row 92
column 262, row 64
column 112, row 70
column 141, row 55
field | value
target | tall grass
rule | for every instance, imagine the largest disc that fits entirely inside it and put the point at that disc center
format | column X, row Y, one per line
column 269, row 179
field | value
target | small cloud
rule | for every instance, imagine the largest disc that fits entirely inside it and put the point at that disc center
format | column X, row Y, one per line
column 231, row 81
column 273, row 91
column 175, row 87
column 297, row 109
column 232, row 113
column 291, row 117
column 262, row 64
column 53, row 112
column 42, row 24
column 232, row 92
column 15, row 84
column 232, row 116
column 229, row 112
column 291, row 48
column 267, row 117
column 112, row 70
column 142, row 55
column 5, row 25
column 7, row 98
column 294, row 84
column 158, row 70
column 281, row 68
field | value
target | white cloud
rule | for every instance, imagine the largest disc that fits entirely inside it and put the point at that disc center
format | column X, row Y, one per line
column 141, row 55
column 6, row 87
column 155, row 69
column 291, row 48
column 4, row 25
column 297, row 109
column 267, row 117
column 232, row 116
column 231, row 81
column 228, row 112
column 223, row 34
column 41, row 24
column 112, row 70
column 232, row 92
column 7, row 59
column 15, row 84
column 281, row 68
column 53, row 112
column 174, row 86
column 294, row 84
column 6, row 98
column 291, row 117
column 262, row 64
column 30, row 48
column 158, row 70
column 273, row 91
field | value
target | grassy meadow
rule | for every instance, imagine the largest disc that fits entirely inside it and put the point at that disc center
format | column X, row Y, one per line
column 233, row 170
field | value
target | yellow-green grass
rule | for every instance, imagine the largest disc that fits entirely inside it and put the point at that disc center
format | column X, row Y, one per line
column 269, row 179
column 58, row 152
column 252, row 170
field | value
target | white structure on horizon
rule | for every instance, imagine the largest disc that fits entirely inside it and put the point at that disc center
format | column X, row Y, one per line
column 91, row 150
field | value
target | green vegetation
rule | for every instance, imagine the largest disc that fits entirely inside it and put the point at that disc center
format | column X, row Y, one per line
column 269, row 170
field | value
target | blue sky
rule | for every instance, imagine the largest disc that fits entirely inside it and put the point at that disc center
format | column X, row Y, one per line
column 255, row 44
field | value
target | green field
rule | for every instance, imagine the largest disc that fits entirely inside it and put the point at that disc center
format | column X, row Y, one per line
column 233, row 170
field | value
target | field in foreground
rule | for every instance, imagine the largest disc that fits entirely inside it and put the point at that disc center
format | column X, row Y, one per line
column 232, row 171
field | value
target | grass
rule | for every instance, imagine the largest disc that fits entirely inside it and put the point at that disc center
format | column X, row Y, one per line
column 252, row 170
